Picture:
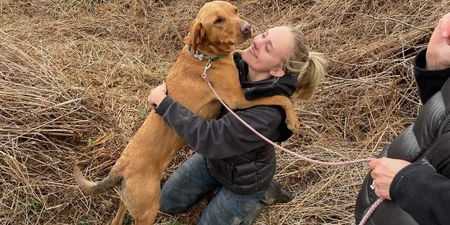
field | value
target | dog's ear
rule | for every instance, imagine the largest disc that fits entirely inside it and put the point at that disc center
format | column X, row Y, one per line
column 195, row 35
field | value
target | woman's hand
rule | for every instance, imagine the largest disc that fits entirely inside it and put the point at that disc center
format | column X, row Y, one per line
column 157, row 94
column 438, row 52
column 383, row 172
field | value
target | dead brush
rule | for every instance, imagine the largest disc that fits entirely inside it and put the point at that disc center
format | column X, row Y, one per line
column 74, row 76
column 42, row 121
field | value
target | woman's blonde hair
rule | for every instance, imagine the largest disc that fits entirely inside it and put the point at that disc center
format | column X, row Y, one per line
column 309, row 67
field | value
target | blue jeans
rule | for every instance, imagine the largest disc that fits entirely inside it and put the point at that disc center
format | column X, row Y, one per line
column 192, row 180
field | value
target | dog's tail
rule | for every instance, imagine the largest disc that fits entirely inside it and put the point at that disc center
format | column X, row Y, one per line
column 90, row 187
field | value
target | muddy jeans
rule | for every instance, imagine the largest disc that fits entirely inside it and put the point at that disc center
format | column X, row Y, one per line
column 192, row 180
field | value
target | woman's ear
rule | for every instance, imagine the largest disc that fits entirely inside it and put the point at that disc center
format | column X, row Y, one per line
column 278, row 72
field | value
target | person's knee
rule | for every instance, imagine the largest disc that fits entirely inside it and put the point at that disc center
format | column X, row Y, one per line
column 229, row 208
column 167, row 209
column 252, row 214
column 170, row 207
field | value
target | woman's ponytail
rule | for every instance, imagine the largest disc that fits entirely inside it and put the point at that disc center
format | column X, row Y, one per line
column 309, row 67
column 309, row 78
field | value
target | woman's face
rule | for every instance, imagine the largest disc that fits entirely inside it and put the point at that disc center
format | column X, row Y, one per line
column 268, row 51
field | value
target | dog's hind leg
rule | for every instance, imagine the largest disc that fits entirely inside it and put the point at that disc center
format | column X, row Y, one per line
column 145, row 221
column 141, row 197
column 120, row 215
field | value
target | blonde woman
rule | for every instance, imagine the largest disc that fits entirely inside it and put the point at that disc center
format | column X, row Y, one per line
column 229, row 157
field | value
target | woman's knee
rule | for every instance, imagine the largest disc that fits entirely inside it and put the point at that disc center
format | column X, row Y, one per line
column 170, row 207
column 229, row 208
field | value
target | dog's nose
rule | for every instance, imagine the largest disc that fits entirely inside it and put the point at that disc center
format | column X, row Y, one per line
column 246, row 29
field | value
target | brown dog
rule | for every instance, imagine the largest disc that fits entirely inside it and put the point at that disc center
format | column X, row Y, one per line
column 138, row 171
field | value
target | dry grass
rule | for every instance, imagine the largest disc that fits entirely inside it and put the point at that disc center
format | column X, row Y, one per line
column 74, row 75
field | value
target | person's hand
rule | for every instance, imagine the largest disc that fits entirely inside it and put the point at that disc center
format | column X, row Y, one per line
column 383, row 172
column 157, row 94
column 438, row 52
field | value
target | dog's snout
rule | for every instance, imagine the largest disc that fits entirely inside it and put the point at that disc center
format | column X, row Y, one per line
column 246, row 29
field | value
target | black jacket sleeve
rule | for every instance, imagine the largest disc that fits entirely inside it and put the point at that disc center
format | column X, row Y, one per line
column 428, row 81
column 418, row 188
column 224, row 137
column 423, row 193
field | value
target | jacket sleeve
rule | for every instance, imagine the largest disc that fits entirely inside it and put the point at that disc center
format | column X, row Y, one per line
column 423, row 193
column 428, row 81
column 224, row 137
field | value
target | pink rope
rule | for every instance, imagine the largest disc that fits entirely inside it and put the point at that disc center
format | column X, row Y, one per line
column 372, row 207
column 278, row 146
column 370, row 211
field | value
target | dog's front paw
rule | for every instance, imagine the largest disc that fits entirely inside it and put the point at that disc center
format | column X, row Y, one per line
column 293, row 123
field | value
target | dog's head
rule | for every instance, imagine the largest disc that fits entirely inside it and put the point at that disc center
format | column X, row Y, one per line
column 217, row 28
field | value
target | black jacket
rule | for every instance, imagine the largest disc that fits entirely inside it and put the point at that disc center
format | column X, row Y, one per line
column 420, row 192
column 236, row 157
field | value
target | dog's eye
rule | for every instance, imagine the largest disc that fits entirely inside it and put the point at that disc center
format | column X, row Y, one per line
column 219, row 21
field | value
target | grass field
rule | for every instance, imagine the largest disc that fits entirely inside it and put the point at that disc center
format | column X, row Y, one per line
column 74, row 76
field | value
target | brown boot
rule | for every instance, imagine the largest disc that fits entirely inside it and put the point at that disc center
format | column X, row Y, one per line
column 276, row 194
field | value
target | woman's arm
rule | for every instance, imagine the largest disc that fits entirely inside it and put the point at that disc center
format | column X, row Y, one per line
column 423, row 193
column 224, row 137
column 415, row 187
column 432, row 65
column 428, row 81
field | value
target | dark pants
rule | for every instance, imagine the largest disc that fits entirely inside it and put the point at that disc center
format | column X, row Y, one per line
column 192, row 180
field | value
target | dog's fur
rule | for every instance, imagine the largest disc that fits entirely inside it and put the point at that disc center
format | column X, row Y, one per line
column 139, row 169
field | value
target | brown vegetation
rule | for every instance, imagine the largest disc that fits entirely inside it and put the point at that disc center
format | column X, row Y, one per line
column 74, row 75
